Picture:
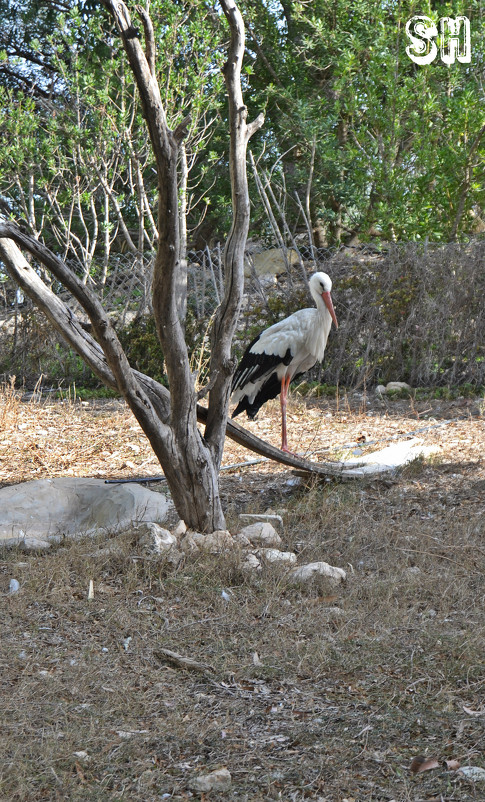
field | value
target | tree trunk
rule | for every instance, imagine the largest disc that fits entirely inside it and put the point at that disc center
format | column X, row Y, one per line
column 222, row 365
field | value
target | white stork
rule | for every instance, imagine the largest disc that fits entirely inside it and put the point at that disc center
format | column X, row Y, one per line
column 283, row 352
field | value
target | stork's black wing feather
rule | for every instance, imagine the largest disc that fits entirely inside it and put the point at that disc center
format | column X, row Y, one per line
column 270, row 389
column 253, row 366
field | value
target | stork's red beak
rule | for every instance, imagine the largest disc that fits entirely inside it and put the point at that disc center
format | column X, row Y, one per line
column 327, row 300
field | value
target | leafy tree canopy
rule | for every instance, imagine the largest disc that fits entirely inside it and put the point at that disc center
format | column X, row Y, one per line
column 358, row 137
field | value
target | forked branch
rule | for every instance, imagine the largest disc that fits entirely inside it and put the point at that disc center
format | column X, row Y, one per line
column 227, row 315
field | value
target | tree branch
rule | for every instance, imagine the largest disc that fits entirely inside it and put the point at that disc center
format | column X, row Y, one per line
column 124, row 378
column 150, row 49
column 228, row 313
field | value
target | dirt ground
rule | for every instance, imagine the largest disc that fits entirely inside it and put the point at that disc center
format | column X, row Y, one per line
column 317, row 693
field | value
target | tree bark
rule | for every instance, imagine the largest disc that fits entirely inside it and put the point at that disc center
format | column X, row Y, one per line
column 222, row 365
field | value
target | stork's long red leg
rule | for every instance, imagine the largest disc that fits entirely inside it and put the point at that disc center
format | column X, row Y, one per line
column 285, row 383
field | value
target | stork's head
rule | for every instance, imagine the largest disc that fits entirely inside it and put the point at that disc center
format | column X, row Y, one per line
column 320, row 287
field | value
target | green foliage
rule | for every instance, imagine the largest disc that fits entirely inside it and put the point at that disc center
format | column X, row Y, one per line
column 74, row 164
column 84, row 393
column 398, row 148
column 316, row 389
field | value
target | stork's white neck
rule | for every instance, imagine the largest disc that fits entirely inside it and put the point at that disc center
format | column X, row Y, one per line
column 323, row 329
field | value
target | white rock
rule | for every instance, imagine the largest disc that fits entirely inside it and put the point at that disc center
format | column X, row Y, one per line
column 251, row 563
column 380, row 389
column 243, row 541
column 33, row 544
column 261, row 534
column 474, row 773
column 48, row 509
column 189, row 544
column 219, row 780
column 180, row 529
column 154, row 537
column 247, row 518
column 393, row 386
column 276, row 556
column 214, row 543
column 82, row 755
column 217, row 541
column 387, row 459
column 14, row 586
column 270, row 262
column 304, row 573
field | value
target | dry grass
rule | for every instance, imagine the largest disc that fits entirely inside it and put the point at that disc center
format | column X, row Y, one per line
column 348, row 685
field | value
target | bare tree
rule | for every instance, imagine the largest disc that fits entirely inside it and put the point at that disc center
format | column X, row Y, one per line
column 189, row 459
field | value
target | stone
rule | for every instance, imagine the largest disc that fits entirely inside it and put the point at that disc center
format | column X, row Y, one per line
column 276, row 556
column 243, row 541
column 50, row 509
column 82, row 755
column 33, row 544
column 180, row 529
column 270, row 262
column 380, row 389
column 261, row 534
column 392, row 387
column 217, row 541
column 174, row 557
column 219, row 780
column 386, row 460
column 154, row 537
column 250, row 518
column 251, row 563
column 305, row 573
column 214, row 543
column 189, row 544
column 474, row 773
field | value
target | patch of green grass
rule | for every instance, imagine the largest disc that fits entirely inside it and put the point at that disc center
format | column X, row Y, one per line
column 316, row 389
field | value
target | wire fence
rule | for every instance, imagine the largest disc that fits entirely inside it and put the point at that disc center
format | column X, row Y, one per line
column 411, row 312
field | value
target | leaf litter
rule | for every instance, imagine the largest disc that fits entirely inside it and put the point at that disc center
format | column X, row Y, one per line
column 298, row 704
